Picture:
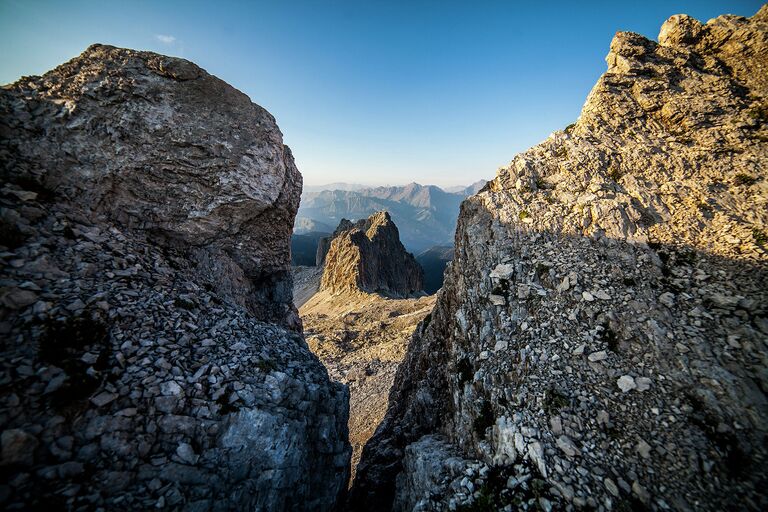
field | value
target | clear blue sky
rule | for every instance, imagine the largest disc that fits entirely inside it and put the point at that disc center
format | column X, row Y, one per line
column 370, row 91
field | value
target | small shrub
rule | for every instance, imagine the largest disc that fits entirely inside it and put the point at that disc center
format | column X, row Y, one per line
column 744, row 179
column 759, row 113
column 266, row 365
column 608, row 336
column 614, row 173
column 184, row 303
column 554, row 400
column 523, row 215
column 569, row 128
column 484, row 420
column 465, row 371
column 706, row 209
column 760, row 237
column 502, row 288
column 225, row 406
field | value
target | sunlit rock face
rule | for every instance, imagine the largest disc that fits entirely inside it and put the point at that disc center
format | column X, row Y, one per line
column 149, row 356
column 368, row 256
column 600, row 337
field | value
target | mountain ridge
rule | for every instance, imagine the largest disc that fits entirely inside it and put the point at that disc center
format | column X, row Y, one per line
column 596, row 341
column 425, row 214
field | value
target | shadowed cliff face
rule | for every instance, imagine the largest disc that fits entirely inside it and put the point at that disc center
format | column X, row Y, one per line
column 158, row 145
column 600, row 336
column 145, row 212
column 368, row 256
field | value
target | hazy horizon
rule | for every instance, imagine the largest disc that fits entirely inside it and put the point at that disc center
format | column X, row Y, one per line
column 380, row 93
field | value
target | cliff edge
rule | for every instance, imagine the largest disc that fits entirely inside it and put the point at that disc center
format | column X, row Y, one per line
column 600, row 338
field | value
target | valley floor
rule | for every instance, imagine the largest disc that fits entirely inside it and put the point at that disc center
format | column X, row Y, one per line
column 361, row 338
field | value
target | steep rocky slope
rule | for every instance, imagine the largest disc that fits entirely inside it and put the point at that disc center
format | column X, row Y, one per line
column 324, row 243
column 600, row 340
column 146, row 215
column 362, row 338
column 369, row 256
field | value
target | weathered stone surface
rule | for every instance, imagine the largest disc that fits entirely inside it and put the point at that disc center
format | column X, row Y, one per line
column 128, row 379
column 324, row 244
column 157, row 144
column 368, row 256
column 659, row 187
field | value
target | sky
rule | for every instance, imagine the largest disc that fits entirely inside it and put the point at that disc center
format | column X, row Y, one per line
column 372, row 92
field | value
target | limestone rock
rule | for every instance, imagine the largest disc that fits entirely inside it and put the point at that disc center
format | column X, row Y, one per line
column 659, row 187
column 145, row 213
column 324, row 244
column 369, row 256
column 158, row 145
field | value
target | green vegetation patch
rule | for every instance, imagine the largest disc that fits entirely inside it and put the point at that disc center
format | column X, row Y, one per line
column 759, row 236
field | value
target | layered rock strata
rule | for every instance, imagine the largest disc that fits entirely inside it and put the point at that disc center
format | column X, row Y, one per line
column 600, row 339
column 368, row 256
column 146, row 210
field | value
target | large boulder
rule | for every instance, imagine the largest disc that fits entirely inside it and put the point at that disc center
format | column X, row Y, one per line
column 600, row 338
column 156, row 144
column 146, row 358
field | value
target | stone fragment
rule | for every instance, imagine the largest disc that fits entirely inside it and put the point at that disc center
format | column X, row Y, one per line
column 186, row 453
column 643, row 383
column 567, row 446
column 626, row 383
column 611, row 486
column 503, row 271
column 170, row 388
column 667, row 298
column 641, row 493
column 643, row 448
column 17, row 298
column 103, row 398
column 600, row 355
column 18, row 447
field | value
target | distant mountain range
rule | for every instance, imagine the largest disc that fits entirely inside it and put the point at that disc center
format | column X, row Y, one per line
column 425, row 214
column 335, row 186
